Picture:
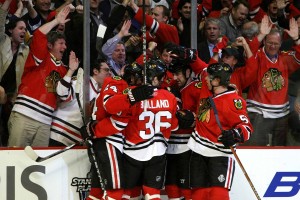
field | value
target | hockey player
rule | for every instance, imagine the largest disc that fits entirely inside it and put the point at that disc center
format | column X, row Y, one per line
column 212, row 165
column 45, row 78
column 178, row 153
column 111, row 119
column 146, row 136
column 67, row 120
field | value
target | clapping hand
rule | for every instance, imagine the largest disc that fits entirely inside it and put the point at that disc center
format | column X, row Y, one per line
column 73, row 61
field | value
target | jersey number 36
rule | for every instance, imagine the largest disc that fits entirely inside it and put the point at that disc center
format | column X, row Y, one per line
column 156, row 122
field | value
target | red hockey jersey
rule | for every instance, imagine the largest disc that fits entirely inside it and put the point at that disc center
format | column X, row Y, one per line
column 189, row 97
column 268, row 94
column 148, row 130
column 232, row 114
column 37, row 92
column 110, row 112
column 162, row 31
column 242, row 77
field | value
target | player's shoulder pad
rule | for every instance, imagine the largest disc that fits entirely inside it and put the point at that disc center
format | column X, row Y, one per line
column 198, row 84
column 126, row 91
column 117, row 78
column 238, row 103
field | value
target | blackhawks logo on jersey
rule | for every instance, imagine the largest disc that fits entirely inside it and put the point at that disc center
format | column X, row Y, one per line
column 126, row 91
column 198, row 85
column 168, row 80
column 238, row 104
column 51, row 81
column 204, row 110
column 272, row 80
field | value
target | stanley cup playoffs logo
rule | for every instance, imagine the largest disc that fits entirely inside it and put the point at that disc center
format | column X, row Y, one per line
column 83, row 186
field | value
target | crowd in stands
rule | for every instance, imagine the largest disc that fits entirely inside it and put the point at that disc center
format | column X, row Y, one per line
column 239, row 33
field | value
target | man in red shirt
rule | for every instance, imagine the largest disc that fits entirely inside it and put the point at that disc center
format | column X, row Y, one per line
column 44, row 79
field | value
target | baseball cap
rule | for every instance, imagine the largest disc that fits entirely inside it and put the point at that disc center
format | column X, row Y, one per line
column 231, row 51
column 160, row 2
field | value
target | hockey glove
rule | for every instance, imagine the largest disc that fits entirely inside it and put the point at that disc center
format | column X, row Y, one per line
column 185, row 118
column 182, row 54
column 88, row 131
column 140, row 93
column 231, row 137
column 220, row 45
column 177, row 94
column 175, row 91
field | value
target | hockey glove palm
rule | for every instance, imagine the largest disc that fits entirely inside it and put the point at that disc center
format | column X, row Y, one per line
column 140, row 93
column 231, row 137
column 185, row 118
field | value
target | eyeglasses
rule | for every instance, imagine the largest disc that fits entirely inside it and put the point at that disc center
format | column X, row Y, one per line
column 272, row 43
column 106, row 69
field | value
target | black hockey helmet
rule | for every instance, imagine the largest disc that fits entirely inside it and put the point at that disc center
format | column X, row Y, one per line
column 174, row 68
column 222, row 71
column 155, row 68
column 133, row 70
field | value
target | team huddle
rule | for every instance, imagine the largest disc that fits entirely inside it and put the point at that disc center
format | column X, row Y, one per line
column 148, row 138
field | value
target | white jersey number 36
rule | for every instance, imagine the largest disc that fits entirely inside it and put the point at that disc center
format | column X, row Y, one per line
column 155, row 123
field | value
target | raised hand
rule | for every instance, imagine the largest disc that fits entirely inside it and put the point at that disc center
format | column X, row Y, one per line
column 61, row 17
column 73, row 61
column 79, row 9
column 180, row 25
column 152, row 45
column 265, row 26
column 281, row 4
column 125, row 29
column 293, row 32
column 224, row 11
column 240, row 41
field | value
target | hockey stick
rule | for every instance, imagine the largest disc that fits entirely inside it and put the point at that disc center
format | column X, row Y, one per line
column 144, row 51
column 35, row 157
column 88, row 141
column 233, row 151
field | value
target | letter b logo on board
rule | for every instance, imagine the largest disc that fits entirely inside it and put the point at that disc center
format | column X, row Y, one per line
column 284, row 184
